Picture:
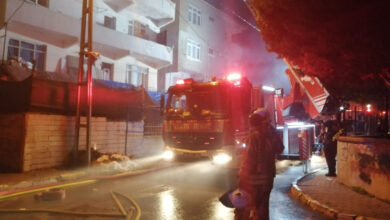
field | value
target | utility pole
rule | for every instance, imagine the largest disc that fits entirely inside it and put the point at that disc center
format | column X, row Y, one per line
column 85, row 51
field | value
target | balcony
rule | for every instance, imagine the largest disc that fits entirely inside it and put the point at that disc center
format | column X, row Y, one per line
column 158, row 12
column 117, row 45
column 118, row 5
column 63, row 31
column 42, row 24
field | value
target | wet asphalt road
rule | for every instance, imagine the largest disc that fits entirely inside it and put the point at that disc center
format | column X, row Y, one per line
column 187, row 191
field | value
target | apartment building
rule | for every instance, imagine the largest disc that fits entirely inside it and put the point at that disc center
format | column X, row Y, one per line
column 126, row 33
column 202, row 40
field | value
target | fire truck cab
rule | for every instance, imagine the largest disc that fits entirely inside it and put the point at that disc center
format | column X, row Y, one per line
column 207, row 119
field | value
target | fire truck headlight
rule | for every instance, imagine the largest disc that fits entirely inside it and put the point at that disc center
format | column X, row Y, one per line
column 168, row 155
column 221, row 158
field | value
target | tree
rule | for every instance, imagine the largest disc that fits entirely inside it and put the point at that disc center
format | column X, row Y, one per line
column 346, row 44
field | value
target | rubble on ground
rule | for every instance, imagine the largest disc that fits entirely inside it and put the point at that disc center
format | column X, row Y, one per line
column 114, row 162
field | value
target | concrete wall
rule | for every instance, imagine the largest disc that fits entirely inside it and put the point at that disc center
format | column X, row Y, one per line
column 50, row 138
column 365, row 163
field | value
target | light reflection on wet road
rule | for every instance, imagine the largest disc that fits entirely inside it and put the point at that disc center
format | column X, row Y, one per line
column 188, row 191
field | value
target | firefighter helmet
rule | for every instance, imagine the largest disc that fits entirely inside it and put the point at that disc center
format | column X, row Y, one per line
column 259, row 116
column 235, row 198
column 239, row 198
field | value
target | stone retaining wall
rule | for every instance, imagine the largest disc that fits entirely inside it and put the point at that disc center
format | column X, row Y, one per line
column 364, row 163
column 12, row 134
column 39, row 141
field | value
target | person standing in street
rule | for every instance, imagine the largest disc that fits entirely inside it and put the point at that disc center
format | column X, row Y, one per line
column 258, row 169
column 328, row 132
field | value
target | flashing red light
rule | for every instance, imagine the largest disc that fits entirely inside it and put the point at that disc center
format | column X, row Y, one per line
column 234, row 77
column 180, row 82
column 369, row 109
column 184, row 81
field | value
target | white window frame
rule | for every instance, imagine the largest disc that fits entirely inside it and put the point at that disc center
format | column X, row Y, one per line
column 108, row 73
column 193, row 50
column 141, row 75
column 36, row 50
column 194, row 15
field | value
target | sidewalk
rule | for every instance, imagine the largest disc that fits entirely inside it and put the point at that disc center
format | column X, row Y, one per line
column 337, row 201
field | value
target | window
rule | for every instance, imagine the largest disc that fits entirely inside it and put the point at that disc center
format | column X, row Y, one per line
column 136, row 75
column 110, row 22
column 107, row 69
column 143, row 29
column 44, row 3
column 193, row 50
column 131, row 28
column 162, row 37
column 211, row 52
column 193, row 15
column 28, row 53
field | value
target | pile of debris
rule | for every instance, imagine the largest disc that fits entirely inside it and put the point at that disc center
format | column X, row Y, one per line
column 114, row 162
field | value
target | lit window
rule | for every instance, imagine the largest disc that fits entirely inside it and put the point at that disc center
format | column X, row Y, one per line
column 193, row 15
column 193, row 50
column 27, row 53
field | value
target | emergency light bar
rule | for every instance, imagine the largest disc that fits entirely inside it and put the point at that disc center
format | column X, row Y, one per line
column 296, row 125
column 180, row 82
column 184, row 81
column 233, row 77
column 268, row 88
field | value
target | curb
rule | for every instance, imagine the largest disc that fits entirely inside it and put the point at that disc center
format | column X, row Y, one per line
column 71, row 179
column 315, row 205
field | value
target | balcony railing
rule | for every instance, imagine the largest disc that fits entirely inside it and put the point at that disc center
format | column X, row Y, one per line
column 158, row 12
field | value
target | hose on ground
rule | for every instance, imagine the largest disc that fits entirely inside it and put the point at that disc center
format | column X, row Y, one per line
column 134, row 204
column 64, row 212
column 123, row 213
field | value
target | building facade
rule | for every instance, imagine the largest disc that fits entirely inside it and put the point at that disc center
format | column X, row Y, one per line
column 145, row 43
column 202, row 40
column 126, row 33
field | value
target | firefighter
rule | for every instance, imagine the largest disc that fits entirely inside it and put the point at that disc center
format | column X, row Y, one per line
column 258, row 169
column 329, row 131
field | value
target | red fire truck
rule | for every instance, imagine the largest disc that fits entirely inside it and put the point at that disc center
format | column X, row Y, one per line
column 207, row 118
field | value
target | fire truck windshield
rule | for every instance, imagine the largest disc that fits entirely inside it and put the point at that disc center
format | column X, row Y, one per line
column 199, row 104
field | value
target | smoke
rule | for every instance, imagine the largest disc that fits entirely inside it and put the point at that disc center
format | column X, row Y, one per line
column 261, row 66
